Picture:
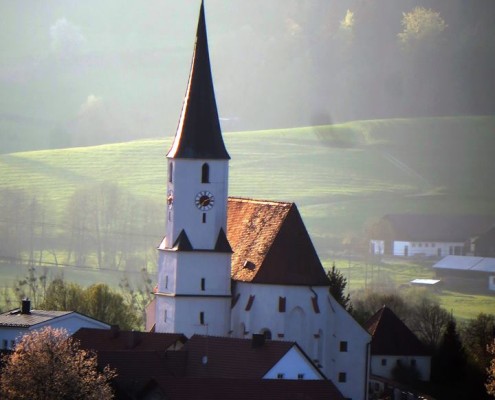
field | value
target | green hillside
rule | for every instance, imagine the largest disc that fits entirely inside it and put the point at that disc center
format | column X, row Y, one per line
column 341, row 176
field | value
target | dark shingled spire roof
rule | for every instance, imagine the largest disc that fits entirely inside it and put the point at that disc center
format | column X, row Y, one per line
column 199, row 134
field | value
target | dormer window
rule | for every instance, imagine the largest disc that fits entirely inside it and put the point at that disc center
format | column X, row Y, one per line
column 205, row 173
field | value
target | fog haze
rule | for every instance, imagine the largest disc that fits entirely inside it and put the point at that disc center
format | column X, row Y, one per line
column 81, row 73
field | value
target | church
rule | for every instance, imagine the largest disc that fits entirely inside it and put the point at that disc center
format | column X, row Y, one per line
column 234, row 267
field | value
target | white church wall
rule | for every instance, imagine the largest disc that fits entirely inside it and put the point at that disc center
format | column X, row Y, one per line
column 325, row 335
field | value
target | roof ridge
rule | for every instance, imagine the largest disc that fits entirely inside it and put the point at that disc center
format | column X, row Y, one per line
column 260, row 201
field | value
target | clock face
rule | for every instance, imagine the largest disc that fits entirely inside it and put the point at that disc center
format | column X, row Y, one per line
column 204, row 200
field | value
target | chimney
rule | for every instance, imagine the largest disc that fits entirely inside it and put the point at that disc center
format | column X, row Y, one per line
column 26, row 306
column 258, row 340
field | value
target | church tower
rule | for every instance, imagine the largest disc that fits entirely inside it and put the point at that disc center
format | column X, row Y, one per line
column 193, row 294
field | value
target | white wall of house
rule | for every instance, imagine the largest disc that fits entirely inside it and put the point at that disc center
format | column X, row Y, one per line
column 377, row 247
column 491, row 282
column 294, row 365
column 330, row 337
column 428, row 249
column 382, row 365
column 71, row 322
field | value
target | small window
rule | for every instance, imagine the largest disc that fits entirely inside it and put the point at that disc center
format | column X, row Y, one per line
column 165, row 316
column 300, row 376
column 427, row 244
column 433, row 245
column 170, row 172
column 280, row 376
column 202, row 318
column 204, row 218
column 202, row 284
column 343, row 346
column 413, row 362
column 166, row 281
column 342, row 377
column 267, row 333
column 420, row 245
column 384, row 361
column 205, row 173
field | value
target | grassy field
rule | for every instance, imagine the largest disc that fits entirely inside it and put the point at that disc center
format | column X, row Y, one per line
column 342, row 177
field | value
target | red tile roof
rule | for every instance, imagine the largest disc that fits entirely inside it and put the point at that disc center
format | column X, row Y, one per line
column 115, row 339
column 271, row 244
column 220, row 357
column 390, row 336
column 247, row 389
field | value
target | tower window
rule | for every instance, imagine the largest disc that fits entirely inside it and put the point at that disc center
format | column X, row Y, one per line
column 165, row 316
column 205, row 173
column 342, row 377
column 203, row 284
column 202, row 318
column 170, row 172
column 166, row 281
column 204, row 218
column 343, row 346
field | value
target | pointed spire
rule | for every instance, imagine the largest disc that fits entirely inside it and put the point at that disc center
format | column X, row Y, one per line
column 199, row 134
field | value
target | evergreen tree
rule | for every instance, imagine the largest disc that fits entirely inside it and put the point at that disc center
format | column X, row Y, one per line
column 338, row 284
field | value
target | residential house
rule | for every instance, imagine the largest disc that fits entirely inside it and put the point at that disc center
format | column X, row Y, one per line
column 169, row 366
column 394, row 345
column 18, row 322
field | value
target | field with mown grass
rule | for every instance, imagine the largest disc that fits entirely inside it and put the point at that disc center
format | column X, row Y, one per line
column 342, row 177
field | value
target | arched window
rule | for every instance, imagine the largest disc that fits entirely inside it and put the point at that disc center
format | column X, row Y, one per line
column 205, row 173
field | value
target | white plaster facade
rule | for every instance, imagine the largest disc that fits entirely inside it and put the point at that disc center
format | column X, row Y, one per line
column 10, row 333
column 382, row 365
column 331, row 337
column 294, row 365
column 426, row 249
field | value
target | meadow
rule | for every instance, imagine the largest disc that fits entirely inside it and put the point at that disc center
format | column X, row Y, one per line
column 342, row 177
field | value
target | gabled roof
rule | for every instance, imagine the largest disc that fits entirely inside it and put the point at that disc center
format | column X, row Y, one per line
column 199, row 134
column 17, row 319
column 115, row 339
column 245, row 389
column 271, row 244
column 221, row 357
column 438, row 227
column 391, row 337
column 467, row 263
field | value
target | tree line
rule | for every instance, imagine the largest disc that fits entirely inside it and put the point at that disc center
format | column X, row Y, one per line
column 100, row 226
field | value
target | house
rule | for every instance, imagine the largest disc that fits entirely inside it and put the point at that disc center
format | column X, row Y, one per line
column 170, row 366
column 15, row 323
column 438, row 235
column 484, row 244
column 465, row 271
column 234, row 267
column 394, row 345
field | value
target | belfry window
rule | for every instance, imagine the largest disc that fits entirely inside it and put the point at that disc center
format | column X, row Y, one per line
column 201, row 318
column 205, row 173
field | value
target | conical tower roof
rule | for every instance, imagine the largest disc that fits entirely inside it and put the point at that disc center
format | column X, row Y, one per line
column 199, row 134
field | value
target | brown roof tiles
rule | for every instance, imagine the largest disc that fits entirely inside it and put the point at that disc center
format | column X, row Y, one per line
column 271, row 244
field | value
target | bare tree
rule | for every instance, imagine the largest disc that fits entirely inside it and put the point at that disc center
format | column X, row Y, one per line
column 48, row 364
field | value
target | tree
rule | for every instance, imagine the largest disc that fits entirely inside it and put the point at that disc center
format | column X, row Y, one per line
column 490, row 383
column 477, row 335
column 97, row 301
column 338, row 284
column 428, row 321
column 420, row 24
column 48, row 364
column 449, row 364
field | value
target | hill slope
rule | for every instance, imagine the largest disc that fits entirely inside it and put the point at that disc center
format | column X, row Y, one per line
column 340, row 176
